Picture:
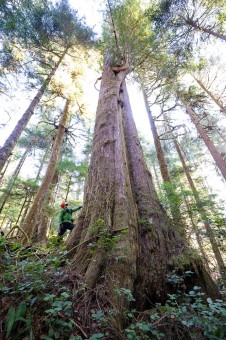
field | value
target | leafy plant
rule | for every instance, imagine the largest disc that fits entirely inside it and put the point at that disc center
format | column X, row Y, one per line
column 17, row 317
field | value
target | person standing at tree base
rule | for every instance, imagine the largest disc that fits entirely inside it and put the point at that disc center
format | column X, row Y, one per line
column 65, row 218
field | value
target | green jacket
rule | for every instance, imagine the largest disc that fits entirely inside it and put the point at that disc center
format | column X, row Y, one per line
column 66, row 215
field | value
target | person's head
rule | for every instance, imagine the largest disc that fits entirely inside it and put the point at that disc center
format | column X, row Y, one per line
column 64, row 204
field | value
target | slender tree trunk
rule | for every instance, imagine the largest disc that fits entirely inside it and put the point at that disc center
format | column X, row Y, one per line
column 157, row 178
column 80, row 183
column 4, row 170
column 3, row 220
column 9, row 186
column 174, row 208
column 158, row 147
column 43, row 230
column 42, row 164
column 193, row 24
column 10, row 143
column 214, row 98
column 68, row 187
column 26, row 208
column 204, row 216
column 21, row 209
column 32, row 194
column 197, row 234
column 213, row 150
column 31, row 223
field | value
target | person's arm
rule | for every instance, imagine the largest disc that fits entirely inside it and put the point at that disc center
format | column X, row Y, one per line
column 61, row 217
column 76, row 209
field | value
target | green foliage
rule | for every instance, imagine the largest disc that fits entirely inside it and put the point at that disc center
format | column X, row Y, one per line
column 191, row 313
column 18, row 317
column 34, row 282
column 39, row 22
column 29, row 279
column 98, row 315
column 198, row 313
column 59, row 309
column 142, row 330
column 132, row 36
column 182, row 260
column 145, row 226
column 106, row 239
column 126, row 293
column 96, row 336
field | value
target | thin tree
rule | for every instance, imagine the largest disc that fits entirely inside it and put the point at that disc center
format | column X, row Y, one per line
column 203, row 213
column 31, row 224
column 46, row 41
column 212, row 96
column 211, row 147
column 6, row 150
column 175, row 211
column 186, row 17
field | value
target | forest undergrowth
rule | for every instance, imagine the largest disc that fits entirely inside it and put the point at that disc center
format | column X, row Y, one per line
column 43, row 298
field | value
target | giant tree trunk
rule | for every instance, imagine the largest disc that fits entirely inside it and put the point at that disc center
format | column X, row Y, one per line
column 109, row 207
column 10, row 143
column 203, row 214
column 212, row 96
column 119, row 197
column 31, row 224
column 160, row 244
column 213, row 150
column 196, row 26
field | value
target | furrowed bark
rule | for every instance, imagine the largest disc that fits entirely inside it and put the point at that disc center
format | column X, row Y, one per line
column 109, row 210
column 124, row 238
column 159, row 242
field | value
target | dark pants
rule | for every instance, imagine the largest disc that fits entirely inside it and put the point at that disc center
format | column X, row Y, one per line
column 65, row 226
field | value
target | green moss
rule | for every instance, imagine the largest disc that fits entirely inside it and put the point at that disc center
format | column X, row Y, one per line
column 106, row 239
column 184, row 259
column 145, row 226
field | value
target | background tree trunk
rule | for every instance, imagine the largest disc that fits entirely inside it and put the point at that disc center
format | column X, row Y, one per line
column 4, row 170
column 10, row 143
column 31, row 224
column 215, row 99
column 212, row 149
column 203, row 214
column 206, row 30
column 14, row 176
column 43, row 230
column 169, row 190
column 197, row 235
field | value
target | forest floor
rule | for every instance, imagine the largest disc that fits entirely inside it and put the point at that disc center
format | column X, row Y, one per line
column 43, row 298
